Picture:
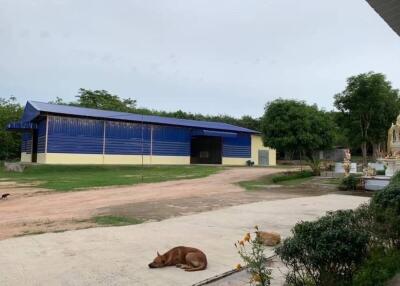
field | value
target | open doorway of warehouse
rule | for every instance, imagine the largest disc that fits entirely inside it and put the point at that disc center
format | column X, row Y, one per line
column 206, row 150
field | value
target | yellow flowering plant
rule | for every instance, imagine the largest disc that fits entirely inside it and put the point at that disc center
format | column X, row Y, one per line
column 251, row 250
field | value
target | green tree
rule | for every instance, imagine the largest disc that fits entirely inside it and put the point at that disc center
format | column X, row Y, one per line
column 369, row 104
column 10, row 110
column 294, row 126
column 102, row 99
column 341, row 134
column 250, row 122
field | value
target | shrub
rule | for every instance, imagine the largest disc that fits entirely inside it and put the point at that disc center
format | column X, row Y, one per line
column 315, row 165
column 385, row 210
column 292, row 176
column 349, row 183
column 325, row 252
column 380, row 267
column 254, row 259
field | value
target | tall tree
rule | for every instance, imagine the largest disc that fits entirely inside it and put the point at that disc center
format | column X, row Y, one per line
column 102, row 99
column 10, row 110
column 369, row 104
column 341, row 134
column 294, row 126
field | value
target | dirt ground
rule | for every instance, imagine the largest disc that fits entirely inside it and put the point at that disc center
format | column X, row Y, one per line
column 31, row 211
column 167, row 208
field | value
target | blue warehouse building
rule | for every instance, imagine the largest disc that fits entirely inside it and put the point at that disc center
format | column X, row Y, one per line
column 60, row 134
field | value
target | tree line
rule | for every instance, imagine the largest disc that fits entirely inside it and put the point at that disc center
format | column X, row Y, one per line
column 102, row 99
column 364, row 111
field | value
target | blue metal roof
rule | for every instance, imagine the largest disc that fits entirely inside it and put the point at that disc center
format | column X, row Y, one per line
column 41, row 107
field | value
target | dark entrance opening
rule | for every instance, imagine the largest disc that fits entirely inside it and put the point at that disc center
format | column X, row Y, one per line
column 206, row 150
column 34, row 146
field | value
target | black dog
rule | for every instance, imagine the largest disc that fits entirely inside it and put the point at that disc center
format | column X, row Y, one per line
column 4, row 196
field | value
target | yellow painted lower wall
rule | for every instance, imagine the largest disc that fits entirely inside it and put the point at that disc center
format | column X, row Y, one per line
column 168, row 160
column 122, row 159
column 41, row 158
column 234, row 161
column 62, row 158
column 147, row 160
column 26, row 158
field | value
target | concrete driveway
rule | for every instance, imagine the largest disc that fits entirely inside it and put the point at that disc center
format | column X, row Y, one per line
column 119, row 255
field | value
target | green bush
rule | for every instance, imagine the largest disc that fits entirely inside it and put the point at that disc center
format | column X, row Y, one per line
column 349, row 183
column 325, row 252
column 380, row 267
column 292, row 176
column 385, row 210
column 360, row 247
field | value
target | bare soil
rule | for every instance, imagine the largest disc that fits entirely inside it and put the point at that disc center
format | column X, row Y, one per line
column 32, row 210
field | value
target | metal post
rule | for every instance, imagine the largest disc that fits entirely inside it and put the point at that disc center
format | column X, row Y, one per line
column 142, row 146
column 151, row 145
column 104, row 140
column 47, row 133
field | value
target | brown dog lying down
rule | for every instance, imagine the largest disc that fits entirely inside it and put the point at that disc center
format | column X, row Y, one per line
column 187, row 258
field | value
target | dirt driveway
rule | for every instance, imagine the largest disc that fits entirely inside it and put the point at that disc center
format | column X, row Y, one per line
column 28, row 211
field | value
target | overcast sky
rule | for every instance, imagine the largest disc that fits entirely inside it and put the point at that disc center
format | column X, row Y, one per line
column 208, row 56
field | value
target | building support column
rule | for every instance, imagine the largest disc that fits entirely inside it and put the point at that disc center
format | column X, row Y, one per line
column 104, row 140
column 151, row 145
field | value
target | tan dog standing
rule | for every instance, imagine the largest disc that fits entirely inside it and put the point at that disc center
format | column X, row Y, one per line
column 187, row 258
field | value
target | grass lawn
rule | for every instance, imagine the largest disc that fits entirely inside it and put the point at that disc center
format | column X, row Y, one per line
column 111, row 220
column 332, row 181
column 74, row 177
column 261, row 183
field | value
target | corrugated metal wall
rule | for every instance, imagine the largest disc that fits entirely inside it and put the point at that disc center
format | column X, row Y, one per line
column 26, row 146
column 237, row 147
column 41, row 147
column 85, row 136
column 74, row 135
column 126, row 138
column 171, row 141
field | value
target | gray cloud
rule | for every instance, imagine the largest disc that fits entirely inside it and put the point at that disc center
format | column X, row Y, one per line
column 226, row 56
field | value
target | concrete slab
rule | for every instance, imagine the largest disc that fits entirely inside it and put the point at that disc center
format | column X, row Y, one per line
column 119, row 255
column 242, row 278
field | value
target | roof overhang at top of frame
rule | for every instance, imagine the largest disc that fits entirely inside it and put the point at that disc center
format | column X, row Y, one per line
column 389, row 10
